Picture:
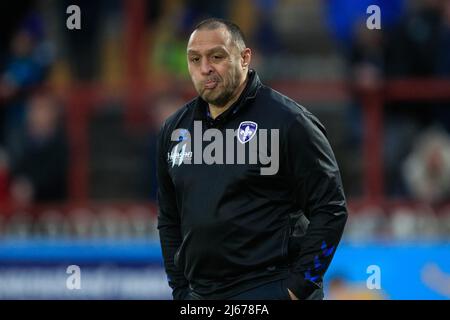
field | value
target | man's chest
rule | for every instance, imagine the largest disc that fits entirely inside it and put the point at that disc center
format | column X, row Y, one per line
column 242, row 148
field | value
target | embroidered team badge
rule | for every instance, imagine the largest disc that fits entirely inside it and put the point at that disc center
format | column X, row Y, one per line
column 246, row 131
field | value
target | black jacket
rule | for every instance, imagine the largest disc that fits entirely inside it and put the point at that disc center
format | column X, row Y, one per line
column 225, row 228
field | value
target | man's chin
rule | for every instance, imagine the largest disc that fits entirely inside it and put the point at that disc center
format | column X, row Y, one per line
column 214, row 99
column 216, row 103
column 210, row 99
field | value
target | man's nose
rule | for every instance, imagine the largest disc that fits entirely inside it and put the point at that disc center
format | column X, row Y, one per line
column 205, row 67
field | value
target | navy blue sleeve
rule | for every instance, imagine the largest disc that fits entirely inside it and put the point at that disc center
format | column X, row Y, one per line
column 169, row 222
column 320, row 195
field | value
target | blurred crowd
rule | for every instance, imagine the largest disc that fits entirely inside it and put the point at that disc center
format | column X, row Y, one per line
column 291, row 40
column 414, row 42
column 33, row 147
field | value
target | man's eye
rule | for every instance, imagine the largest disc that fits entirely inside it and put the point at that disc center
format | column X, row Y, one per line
column 195, row 59
column 217, row 57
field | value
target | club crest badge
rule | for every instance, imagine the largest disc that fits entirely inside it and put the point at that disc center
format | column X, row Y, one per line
column 246, row 131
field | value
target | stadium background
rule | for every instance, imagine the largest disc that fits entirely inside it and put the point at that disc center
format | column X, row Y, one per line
column 79, row 110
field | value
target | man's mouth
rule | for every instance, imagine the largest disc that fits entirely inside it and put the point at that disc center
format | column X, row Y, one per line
column 210, row 84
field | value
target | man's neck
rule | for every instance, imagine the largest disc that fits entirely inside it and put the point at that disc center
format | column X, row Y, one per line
column 216, row 111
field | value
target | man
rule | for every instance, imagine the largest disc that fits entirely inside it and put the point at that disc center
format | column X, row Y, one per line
column 251, row 205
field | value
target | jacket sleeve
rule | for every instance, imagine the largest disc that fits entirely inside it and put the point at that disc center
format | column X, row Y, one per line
column 169, row 222
column 319, row 194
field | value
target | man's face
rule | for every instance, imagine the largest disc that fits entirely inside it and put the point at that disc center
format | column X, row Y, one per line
column 215, row 65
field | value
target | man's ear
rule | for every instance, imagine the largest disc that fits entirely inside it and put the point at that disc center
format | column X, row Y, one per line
column 246, row 55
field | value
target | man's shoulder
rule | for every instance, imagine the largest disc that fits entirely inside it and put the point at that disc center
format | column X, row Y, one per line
column 281, row 104
column 173, row 120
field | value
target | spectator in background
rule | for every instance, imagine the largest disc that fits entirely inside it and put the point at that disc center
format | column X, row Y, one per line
column 41, row 158
column 414, row 49
column 412, row 46
column 27, row 66
column 343, row 16
column 168, row 56
column 427, row 168
column 11, row 17
column 363, row 53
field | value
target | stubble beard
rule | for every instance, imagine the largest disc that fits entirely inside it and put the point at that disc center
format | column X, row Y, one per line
column 224, row 96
